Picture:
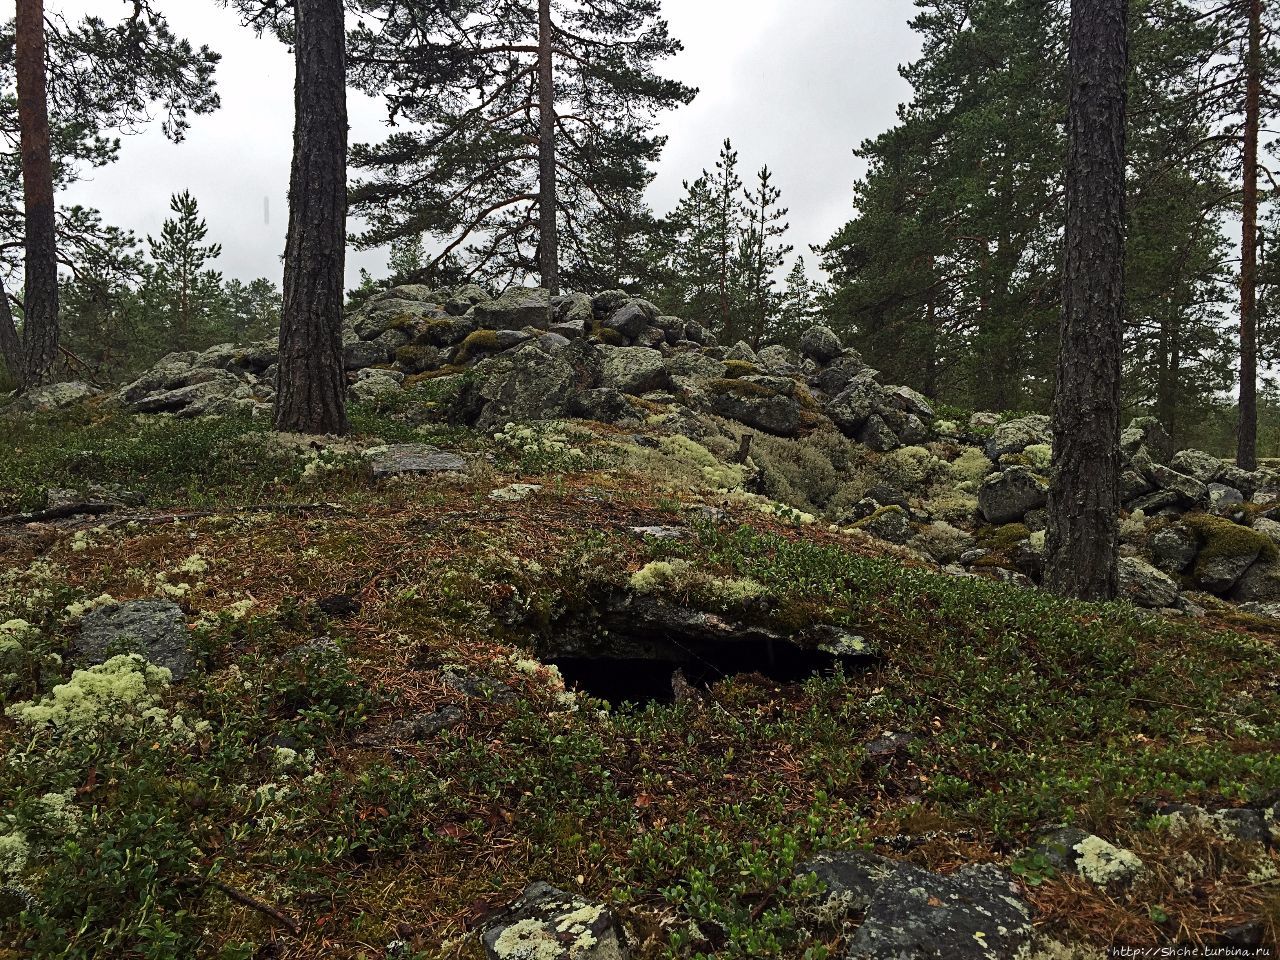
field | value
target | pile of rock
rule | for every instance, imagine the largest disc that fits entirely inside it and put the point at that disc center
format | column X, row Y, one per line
column 527, row 355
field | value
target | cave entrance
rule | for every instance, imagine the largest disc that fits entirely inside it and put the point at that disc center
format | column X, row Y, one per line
column 642, row 680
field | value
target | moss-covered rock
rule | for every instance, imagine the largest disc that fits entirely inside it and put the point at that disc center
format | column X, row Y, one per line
column 1227, row 550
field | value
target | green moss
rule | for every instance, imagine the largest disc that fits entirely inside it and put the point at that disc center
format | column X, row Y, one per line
column 613, row 338
column 740, row 368
column 417, row 359
column 878, row 515
column 740, row 388
column 481, row 341
column 1002, row 538
column 1219, row 538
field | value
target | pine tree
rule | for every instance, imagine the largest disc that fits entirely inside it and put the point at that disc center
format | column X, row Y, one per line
column 522, row 122
column 100, row 78
column 180, row 276
column 690, row 251
column 1084, row 497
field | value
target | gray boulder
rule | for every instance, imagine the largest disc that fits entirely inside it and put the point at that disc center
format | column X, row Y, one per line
column 1016, row 435
column 756, row 406
column 1223, row 498
column 1191, row 490
column 1259, row 584
column 1145, row 586
column 1220, row 573
column 515, row 309
column 631, row 319
column 913, row 403
column 1006, row 497
column 1205, row 467
column 549, row 924
column 528, row 384
column 56, row 396
column 156, row 629
column 878, row 435
column 853, row 406
column 402, row 459
column 365, row 353
column 849, row 880
column 977, row 913
column 820, row 344
column 1174, row 548
column 633, row 370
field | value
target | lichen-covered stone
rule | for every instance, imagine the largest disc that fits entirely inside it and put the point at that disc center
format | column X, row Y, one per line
column 1006, row 497
column 549, row 924
column 633, row 370
column 1144, row 585
column 976, row 913
column 821, row 344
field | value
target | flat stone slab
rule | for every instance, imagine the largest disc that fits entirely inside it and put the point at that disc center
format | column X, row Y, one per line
column 549, row 924
column 413, row 459
column 156, row 629
column 515, row 493
column 661, row 533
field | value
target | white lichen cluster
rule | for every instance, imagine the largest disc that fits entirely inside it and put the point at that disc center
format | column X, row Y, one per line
column 15, row 852
column 234, row 611
column 121, row 694
column 912, row 467
column 714, row 472
column 77, row 609
column 549, row 439
column 972, row 466
column 1103, row 863
column 681, row 576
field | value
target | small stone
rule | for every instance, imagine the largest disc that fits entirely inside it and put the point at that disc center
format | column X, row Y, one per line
column 412, row 458
column 515, row 493
column 156, row 629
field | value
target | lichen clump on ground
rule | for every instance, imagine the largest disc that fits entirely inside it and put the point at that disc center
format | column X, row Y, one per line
column 124, row 691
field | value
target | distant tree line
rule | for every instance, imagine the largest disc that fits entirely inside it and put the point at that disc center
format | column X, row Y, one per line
column 949, row 275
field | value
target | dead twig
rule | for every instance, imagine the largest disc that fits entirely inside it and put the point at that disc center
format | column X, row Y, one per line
column 239, row 896
column 91, row 508
column 158, row 518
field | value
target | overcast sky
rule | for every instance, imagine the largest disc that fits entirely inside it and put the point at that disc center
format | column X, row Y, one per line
column 797, row 84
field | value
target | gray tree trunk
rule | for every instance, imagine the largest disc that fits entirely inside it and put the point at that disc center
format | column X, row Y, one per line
column 548, row 230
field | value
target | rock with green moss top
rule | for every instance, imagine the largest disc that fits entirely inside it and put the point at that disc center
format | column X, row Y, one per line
column 549, row 924
column 756, row 406
column 1007, row 497
column 891, row 524
column 1227, row 550
column 1145, row 586
column 393, row 313
column 413, row 359
column 445, row 331
column 484, row 342
column 516, row 309
column 734, row 369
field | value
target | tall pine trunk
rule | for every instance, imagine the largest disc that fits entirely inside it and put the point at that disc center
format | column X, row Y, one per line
column 1247, row 433
column 548, row 229
column 1084, row 499
column 311, row 387
column 40, row 306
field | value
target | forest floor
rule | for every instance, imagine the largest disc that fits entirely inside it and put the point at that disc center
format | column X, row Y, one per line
column 267, row 806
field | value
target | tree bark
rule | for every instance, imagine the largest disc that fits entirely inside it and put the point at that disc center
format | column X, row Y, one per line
column 40, row 306
column 548, row 227
column 1247, row 432
column 311, row 387
column 1084, row 498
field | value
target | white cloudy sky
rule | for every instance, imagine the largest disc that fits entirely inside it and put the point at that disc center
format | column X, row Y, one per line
column 797, row 84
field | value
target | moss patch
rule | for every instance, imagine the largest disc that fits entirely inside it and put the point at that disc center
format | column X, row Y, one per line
column 1219, row 539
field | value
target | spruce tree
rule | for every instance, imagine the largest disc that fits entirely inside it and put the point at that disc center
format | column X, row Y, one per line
column 762, row 255
column 180, row 276
column 519, row 124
